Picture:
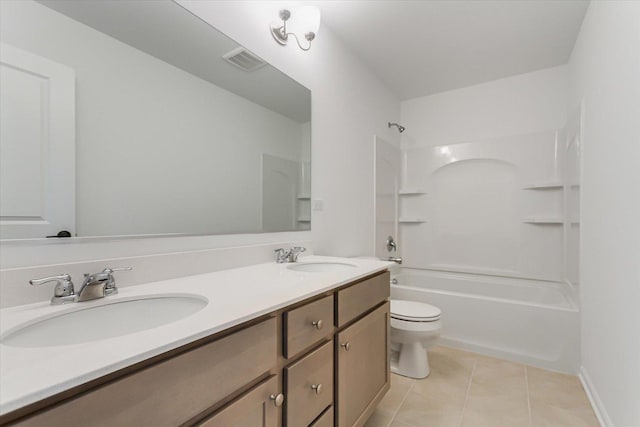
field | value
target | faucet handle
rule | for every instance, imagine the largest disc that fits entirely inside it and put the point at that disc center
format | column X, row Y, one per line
column 63, row 292
column 110, row 287
column 294, row 252
column 281, row 255
column 113, row 270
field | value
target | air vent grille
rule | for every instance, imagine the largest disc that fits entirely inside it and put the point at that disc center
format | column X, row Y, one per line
column 244, row 59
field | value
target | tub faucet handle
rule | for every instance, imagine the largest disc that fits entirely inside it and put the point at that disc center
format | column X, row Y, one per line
column 391, row 244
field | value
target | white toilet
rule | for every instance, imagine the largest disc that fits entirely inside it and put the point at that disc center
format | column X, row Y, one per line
column 415, row 327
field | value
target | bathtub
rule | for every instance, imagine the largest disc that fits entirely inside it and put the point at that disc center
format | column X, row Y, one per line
column 526, row 321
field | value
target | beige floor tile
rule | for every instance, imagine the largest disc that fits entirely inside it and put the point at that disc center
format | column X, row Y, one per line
column 497, row 395
column 543, row 415
column 494, row 417
column 379, row 418
column 401, row 424
column 491, row 392
column 449, row 363
column 560, row 390
column 558, row 399
column 431, row 411
column 390, row 403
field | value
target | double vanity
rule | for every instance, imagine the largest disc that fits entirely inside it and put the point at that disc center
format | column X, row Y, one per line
column 291, row 344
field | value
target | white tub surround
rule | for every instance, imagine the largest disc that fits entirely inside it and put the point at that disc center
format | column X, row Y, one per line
column 527, row 321
column 234, row 296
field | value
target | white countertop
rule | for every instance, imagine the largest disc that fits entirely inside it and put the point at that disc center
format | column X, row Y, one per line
column 28, row 375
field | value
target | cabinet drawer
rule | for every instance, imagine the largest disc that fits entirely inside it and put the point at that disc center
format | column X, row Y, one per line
column 309, row 386
column 324, row 420
column 256, row 408
column 361, row 297
column 172, row 391
column 307, row 325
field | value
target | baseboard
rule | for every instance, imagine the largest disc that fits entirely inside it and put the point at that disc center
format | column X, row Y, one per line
column 596, row 403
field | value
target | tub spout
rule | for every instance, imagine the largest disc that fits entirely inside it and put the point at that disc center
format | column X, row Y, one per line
column 396, row 260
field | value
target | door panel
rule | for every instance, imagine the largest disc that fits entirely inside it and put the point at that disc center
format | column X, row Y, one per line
column 37, row 145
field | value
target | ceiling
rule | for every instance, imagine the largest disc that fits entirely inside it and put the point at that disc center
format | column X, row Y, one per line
column 419, row 48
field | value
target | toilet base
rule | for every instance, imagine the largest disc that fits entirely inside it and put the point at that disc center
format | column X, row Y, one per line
column 412, row 361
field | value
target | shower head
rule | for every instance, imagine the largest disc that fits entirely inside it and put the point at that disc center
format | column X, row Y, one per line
column 400, row 127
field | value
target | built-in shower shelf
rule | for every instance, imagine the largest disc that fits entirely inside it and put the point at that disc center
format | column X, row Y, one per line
column 303, row 219
column 410, row 191
column 547, row 185
column 543, row 220
column 411, row 220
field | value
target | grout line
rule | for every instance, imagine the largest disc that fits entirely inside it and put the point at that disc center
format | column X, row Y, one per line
column 393, row 417
column 526, row 382
column 466, row 396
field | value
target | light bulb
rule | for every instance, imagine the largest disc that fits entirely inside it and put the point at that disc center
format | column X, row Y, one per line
column 304, row 20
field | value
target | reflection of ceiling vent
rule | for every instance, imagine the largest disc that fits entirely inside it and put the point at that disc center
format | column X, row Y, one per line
column 244, row 59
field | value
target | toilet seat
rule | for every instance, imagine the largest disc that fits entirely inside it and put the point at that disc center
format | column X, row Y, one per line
column 412, row 311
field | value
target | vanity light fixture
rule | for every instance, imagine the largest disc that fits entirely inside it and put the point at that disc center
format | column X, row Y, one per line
column 306, row 21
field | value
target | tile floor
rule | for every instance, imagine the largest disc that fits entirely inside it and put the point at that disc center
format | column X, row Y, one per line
column 470, row 390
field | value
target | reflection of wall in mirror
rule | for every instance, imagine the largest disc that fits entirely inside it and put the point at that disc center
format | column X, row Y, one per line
column 158, row 150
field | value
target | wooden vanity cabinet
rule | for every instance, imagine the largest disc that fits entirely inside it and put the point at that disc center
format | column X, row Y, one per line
column 362, row 367
column 173, row 391
column 256, row 408
column 321, row 362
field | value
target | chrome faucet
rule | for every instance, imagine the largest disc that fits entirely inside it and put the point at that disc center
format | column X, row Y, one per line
column 291, row 255
column 99, row 285
column 63, row 292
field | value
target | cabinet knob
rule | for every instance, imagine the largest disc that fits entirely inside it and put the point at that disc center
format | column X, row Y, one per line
column 346, row 346
column 317, row 388
column 277, row 399
column 317, row 324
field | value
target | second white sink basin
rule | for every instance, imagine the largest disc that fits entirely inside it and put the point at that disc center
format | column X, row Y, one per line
column 100, row 322
column 320, row 267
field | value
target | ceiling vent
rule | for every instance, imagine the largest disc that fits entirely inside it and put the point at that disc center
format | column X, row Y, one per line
column 244, row 59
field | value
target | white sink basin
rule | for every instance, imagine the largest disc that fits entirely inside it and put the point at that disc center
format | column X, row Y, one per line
column 320, row 267
column 99, row 322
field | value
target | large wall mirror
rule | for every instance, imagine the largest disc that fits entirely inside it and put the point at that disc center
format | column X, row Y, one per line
column 129, row 118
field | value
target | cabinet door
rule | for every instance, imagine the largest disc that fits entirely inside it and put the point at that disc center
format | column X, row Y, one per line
column 256, row 408
column 363, row 367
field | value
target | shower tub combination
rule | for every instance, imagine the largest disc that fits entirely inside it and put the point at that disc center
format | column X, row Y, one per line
column 528, row 321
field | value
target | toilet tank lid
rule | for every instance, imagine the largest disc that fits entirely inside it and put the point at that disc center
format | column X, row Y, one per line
column 413, row 310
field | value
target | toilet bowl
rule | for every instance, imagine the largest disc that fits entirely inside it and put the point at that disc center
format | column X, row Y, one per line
column 415, row 328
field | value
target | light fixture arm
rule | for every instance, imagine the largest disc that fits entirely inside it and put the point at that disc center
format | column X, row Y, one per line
column 281, row 35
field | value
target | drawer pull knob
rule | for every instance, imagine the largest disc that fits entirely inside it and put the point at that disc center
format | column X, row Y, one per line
column 317, row 324
column 317, row 388
column 278, row 399
column 346, row 346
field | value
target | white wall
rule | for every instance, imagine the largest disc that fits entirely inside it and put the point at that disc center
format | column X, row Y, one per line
column 159, row 150
column 605, row 76
column 522, row 104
